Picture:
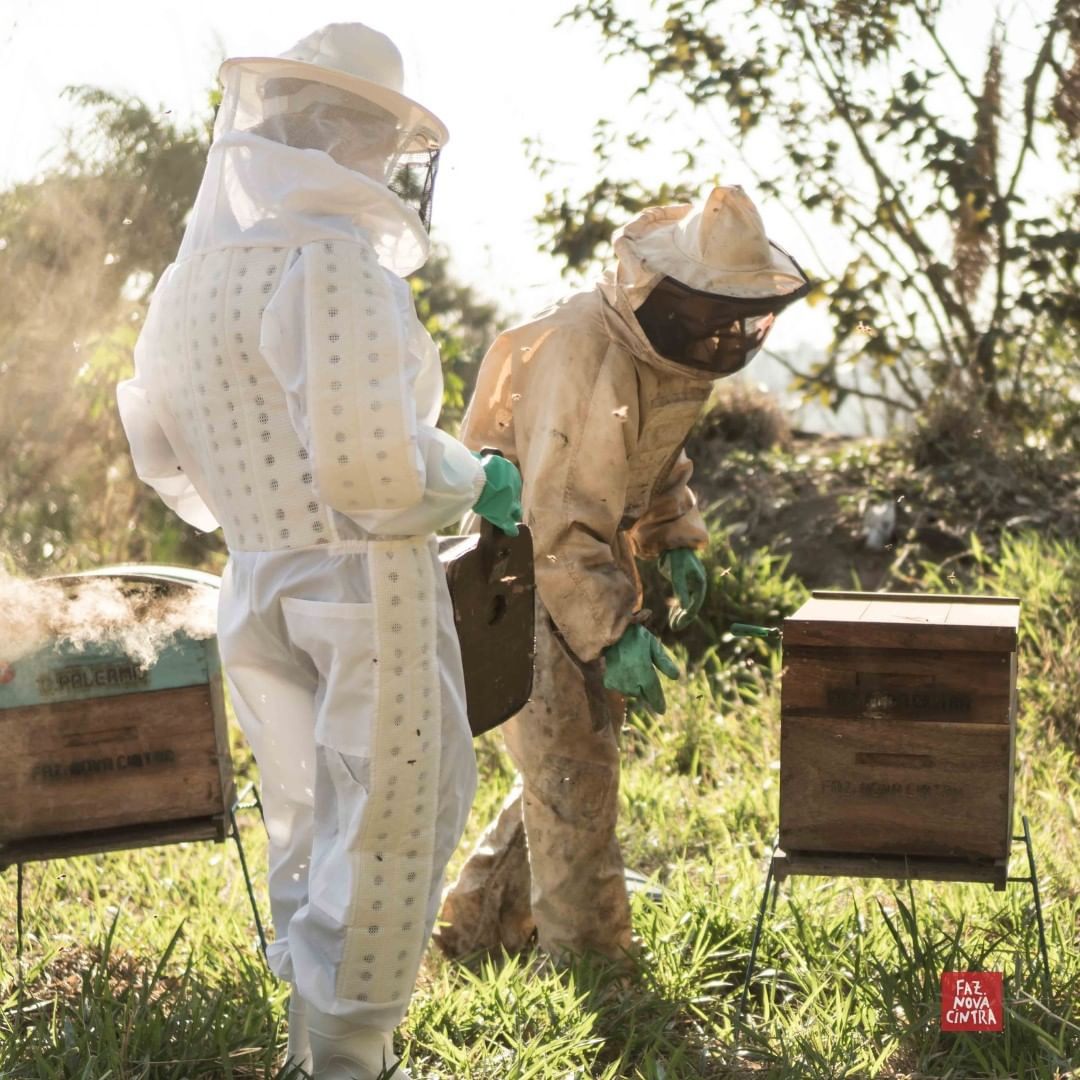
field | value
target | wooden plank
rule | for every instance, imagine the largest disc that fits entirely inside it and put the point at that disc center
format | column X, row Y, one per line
column 64, row 672
column 912, row 684
column 935, row 598
column 824, row 606
column 985, row 615
column 220, row 720
column 905, row 620
column 109, row 763
column 898, row 635
column 903, row 612
column 895, row 787
column 897, row 868
column 1013, row 706
column 44, row 848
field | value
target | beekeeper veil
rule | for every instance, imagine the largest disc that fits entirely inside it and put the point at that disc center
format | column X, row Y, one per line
column 705, row 282
column 324, row 127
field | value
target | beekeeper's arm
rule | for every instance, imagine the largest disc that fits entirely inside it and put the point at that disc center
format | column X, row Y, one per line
column 145, row 422
column 672, row 531
column 573, row 436
column 672, row 519
column 364, row 389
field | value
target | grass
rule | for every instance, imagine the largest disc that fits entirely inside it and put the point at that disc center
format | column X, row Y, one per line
column 142, row 964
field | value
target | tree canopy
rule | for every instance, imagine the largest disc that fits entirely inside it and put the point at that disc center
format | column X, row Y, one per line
column 955, row 194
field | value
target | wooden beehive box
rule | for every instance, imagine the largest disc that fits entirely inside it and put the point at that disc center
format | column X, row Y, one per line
column 898, row 716
column 102, row 754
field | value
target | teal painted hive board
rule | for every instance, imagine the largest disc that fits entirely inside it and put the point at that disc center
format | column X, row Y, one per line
column 65, row 672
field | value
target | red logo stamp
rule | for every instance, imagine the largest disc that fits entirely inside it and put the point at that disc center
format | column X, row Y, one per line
column 972, row 1001
column 7, row 672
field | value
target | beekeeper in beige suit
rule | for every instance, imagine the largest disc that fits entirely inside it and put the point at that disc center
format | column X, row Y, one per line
column 594, row 400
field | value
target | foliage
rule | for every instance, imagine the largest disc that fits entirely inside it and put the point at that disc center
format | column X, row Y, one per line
column 948, row 479
column 1046, row 573
column 462, row 325
column 844, row 109
column 139, row 963
column 82, row 247
column 739, row 414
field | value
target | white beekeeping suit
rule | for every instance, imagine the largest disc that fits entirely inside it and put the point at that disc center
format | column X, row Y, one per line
column 285, row 390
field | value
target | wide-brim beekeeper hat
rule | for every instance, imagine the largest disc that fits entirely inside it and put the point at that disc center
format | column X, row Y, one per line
column 718, row 245
column 352, row 58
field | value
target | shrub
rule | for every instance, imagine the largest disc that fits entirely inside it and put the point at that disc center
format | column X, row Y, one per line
column 1045, row 574
column 741, row 414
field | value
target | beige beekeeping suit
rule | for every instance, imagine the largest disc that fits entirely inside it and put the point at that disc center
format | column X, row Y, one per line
column 596, row 419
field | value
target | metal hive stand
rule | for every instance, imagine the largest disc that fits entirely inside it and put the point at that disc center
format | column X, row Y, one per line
column 248, row 799
column 782, row 866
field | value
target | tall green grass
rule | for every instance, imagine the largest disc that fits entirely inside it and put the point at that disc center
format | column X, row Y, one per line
column 143, row 965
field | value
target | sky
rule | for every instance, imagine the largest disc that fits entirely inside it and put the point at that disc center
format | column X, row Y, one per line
column 496, row 72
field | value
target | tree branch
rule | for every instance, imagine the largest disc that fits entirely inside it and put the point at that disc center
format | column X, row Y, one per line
column 910, row 282
column 901, row 217
column 796, row 218
column 945, row 55
column 834, row 384
column 1031, row 85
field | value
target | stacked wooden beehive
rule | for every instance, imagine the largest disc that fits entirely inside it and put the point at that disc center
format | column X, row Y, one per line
column 898, row 719
column 101, row 753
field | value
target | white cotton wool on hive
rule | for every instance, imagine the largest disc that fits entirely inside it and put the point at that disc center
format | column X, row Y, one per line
column 136, row 619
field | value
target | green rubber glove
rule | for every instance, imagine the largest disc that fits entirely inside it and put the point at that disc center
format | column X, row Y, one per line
column 629, row 666
column 500, row 501
column 686, row 572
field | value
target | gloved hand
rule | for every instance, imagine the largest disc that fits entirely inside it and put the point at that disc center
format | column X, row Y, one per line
column 500, row 501
column 686, row 572
column 629, row 666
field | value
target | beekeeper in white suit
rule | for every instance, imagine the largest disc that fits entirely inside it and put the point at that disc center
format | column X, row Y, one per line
column 285, row 390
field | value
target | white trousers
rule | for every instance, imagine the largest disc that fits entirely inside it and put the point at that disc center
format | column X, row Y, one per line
column 345, row 674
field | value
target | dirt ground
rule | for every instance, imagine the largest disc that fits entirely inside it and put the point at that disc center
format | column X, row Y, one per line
column 863, row 513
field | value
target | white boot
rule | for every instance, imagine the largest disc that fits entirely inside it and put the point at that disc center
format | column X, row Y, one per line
column 299, row 1051
column 343, row 1051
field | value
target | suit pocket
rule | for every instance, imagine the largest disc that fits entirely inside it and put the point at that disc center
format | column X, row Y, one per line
column 341, row 641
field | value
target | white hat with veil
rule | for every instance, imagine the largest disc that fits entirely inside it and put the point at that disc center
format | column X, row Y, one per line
column 320, row 142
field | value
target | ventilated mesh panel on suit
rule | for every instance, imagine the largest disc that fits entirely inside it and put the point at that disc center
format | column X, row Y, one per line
column 232, row 408
column 387, row 923
column 363, row 431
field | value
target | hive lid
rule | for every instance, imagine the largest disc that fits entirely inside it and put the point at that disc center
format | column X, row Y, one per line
column 147, row 572
column 906, row 621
